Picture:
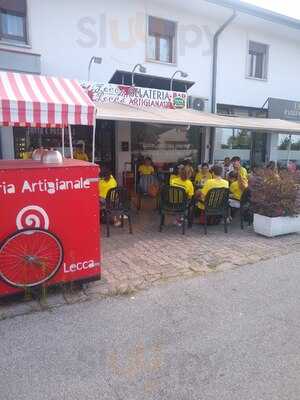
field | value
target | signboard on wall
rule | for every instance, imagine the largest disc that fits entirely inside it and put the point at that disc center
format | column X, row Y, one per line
column 134, row 96
column 284, row 109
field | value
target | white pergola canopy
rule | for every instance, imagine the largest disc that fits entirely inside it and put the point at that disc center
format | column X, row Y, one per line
column 123, row 112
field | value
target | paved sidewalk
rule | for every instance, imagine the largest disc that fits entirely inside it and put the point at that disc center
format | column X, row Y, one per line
column 135, row 262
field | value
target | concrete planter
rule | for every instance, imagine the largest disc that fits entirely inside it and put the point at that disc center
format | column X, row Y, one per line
column 271, row 227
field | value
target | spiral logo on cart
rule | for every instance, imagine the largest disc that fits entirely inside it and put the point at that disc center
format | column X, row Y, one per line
column 32, row 217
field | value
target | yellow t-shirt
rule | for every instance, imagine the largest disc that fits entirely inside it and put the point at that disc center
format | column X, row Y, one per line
column 212, row 184
column 146, row 169
column 200, row 177
column 104, row 186
column 27, row 155
column 236, row 191
column 79, row 155
column 243, row 173
column 186, row 185
column 172, row 177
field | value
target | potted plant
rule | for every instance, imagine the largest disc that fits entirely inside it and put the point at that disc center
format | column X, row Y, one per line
column 275, row 198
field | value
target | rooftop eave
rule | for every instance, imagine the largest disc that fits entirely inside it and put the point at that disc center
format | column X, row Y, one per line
column 258, row 12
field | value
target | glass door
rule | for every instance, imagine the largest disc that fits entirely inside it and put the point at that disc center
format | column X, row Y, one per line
column 105, row 145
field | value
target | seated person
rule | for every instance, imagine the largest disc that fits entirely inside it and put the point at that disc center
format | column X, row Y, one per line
column 188, row 165
column 202, row 175
column 216, row 183
column 183, row 182
column 106, row 182
column 27, row 155
column 146, row 168
column 237, row 167
column 146, row 172
column 79, row 154
column 272, row 166
column 175, row 172
column 227, row 167
column 237, row 186
column 292, row 167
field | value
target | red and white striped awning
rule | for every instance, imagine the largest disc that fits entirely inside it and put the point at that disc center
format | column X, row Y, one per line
column 42, row 101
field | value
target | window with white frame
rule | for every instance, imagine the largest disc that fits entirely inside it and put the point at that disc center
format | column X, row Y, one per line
column 13, row 21
column 161, row 40
column 258, row 54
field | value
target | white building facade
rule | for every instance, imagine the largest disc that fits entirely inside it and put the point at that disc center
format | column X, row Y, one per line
column 258, row 58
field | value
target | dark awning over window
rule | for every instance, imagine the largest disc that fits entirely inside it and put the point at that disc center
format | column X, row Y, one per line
column 16, row 6
column 150, row 81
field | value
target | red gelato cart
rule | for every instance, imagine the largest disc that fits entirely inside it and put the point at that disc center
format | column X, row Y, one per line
column 49, row 212
column 49, row 223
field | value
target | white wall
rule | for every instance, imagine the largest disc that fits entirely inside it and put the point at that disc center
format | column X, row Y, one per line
column 117, row 33
column 284, row 62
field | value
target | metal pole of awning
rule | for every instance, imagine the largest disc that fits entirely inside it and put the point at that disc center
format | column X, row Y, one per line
column 63, row 141
column 94, row 136
column 70, row 141
column 289, row 150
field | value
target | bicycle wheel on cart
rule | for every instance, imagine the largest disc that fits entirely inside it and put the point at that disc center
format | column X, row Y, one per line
column 30, row 257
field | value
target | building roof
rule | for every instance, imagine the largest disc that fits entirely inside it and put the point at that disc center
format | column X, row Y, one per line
column 259, row 12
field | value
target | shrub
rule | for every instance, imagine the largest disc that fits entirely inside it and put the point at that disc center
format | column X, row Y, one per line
column 275, row 194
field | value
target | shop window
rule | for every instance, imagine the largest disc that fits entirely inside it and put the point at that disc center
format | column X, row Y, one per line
column 239, row 142
column 258, row 54
column 288, row 148
column 28, row 139
column 233, row 142
column 161, row 40
column 236, row 139
column 13, row 21
column 164, row 144
column 286, row 141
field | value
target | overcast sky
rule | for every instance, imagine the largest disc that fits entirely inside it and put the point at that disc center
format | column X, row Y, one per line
column 286, row 7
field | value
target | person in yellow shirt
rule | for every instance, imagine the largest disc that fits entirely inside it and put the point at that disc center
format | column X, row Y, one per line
column 216, row 183
column 188, row 165
column 175, row 173
column 146, row 168
column 237, row 167
column 147, row 178
column 27, row 155
column 172, row 177
column 79, row 154
column 237, row 186
column 183, row 182
column 202, row 175
column 106, row 183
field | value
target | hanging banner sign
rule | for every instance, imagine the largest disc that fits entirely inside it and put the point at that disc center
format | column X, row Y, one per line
column 284, row 109
column 101, row 93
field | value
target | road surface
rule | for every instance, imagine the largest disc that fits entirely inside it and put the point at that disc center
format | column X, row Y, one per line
column 232, row 336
